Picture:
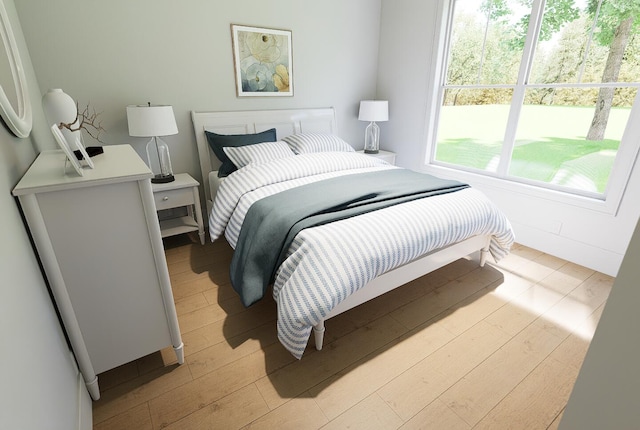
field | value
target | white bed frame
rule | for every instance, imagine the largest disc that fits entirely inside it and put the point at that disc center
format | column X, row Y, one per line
column 321, row 120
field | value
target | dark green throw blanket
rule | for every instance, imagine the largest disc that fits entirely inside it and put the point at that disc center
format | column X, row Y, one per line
column 272, row 222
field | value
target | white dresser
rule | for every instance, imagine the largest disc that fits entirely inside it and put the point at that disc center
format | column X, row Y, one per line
column 99, row 241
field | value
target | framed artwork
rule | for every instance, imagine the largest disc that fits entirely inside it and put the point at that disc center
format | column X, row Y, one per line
column 263, row 61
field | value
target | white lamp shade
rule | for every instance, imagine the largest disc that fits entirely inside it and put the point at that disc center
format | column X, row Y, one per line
column 151, row 121
column 374, row 110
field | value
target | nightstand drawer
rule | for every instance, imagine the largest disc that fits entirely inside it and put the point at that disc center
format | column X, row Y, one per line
column 173, row 198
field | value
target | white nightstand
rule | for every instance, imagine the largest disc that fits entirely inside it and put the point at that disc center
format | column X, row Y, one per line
column 181, row 192
column 389, row 157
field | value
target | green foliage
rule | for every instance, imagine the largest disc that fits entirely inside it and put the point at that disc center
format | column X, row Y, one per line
column 497, row 10
column 612, row 12
column 489, row 52
column 557, row 14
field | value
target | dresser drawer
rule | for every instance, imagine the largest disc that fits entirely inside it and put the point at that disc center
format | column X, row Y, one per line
column 173, row 198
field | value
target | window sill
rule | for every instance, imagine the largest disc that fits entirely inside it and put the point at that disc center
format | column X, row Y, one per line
column 607, row 205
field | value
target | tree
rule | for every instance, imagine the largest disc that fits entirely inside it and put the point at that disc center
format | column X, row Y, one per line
column 556, row 14
column 618, row 21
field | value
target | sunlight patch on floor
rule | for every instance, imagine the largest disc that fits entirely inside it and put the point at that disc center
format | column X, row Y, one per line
column 567, row 307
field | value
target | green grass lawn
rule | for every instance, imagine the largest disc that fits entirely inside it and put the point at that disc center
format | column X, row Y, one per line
column 550, row 143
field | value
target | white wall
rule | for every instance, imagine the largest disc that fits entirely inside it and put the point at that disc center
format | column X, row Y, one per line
column 406, row 67
column 605, row 395
column 115, row 53
column 120, row 52
column 39, row 381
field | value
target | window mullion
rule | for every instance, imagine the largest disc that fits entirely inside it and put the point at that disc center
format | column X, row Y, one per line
column 589, row 40
column 510, row 133
column 533, row 30
column 441, row 67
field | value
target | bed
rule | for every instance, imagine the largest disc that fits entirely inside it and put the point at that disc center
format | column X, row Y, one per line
column 327, row 268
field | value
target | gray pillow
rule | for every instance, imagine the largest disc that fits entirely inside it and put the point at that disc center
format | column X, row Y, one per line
column 218, row 142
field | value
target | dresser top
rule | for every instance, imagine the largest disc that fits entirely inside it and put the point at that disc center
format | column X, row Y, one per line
column 118, row 163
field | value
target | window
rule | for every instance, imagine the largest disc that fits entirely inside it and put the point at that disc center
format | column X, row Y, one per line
column 539, row 92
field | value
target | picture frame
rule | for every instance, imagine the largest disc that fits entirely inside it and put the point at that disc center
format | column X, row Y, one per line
column 263, row 61
column 62, row 143
column 83, row 151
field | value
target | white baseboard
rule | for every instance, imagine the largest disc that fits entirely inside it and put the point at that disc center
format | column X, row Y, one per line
column 598, row 259
column 85, row 411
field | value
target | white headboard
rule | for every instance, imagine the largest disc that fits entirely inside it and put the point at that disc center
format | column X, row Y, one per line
column 286, row 122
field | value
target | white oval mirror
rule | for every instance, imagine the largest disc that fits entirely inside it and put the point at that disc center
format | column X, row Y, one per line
column 16, row 115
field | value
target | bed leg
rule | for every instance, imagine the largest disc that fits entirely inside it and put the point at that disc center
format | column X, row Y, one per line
column 484, row 252
column 318, row 332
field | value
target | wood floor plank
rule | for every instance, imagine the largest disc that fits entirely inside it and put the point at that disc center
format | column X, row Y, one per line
column 580, row 303
column 136, row 418
column 177, row 403
column 201, row 317
column 302, row 375
column 191, row 303
column 223, row 353
column 138, row 390
column 442, row 298
column 574, row 348
column 497, row 347
column 536, row 401
column 556, row 422
column 436, row 415
column 473, row 396
column 485, row 387
column 183, row 287
column 466, row 313
column 370, row 414
column 300, row 413
column 230, row 329
column 355, row 383
column 120, row 374
column 231, row 412
column 414, row 389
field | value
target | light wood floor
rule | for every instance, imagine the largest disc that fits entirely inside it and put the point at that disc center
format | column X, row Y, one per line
column 464, row 347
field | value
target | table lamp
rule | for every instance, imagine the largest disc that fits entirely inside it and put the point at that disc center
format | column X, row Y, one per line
column 372, row 111
column 154, row 121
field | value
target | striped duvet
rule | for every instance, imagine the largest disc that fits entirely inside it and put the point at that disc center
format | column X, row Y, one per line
column 325, row 264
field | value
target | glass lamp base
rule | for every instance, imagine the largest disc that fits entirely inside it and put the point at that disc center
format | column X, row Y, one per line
column 371, row 138
column 162, row 179
column 159, row 161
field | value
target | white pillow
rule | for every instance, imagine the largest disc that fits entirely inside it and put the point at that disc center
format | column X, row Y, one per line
column 305, row 143
column 257, row 153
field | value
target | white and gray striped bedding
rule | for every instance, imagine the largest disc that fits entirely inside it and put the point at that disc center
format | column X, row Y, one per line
column 257, row 153
column 327, row 263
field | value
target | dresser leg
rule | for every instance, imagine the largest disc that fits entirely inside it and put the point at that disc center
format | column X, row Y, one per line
column 93, row 388
column 179, row 350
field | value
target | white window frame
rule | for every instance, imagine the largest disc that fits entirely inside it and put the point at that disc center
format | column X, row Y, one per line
column 608, row 203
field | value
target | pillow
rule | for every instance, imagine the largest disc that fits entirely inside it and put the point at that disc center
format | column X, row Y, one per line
column 218, row 142
column 305, row 143
column 257, row 153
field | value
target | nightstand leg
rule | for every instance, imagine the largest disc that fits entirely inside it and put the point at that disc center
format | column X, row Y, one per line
column 198, row 214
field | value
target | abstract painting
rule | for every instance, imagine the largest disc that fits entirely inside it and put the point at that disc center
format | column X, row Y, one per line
column 263, row 61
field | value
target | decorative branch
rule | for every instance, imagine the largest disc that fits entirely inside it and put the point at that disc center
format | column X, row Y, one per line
column 87, row 121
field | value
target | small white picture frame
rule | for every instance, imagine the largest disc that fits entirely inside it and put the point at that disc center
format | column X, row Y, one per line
column 62, row 143
column 80, row 147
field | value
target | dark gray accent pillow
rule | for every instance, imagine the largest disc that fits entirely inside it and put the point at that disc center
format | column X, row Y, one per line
column 218, row 141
